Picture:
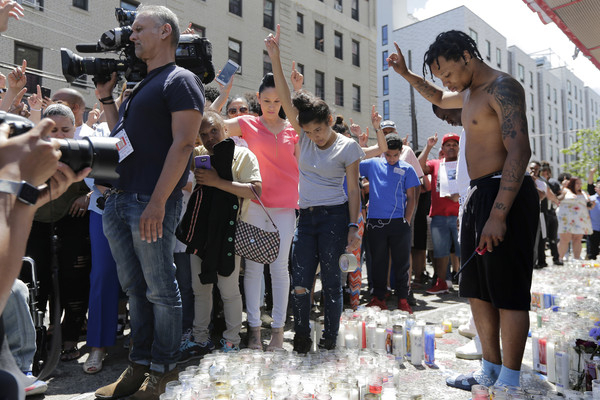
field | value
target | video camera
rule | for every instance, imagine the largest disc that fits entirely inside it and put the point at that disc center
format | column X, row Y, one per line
column 99, row 153
column 193, row 53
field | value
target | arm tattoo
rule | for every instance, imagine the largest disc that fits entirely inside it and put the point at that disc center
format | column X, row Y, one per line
column 425, row 89
column 511, row 98
column 500, row 206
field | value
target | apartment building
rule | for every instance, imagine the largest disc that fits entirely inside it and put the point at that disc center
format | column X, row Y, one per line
column 332, row 42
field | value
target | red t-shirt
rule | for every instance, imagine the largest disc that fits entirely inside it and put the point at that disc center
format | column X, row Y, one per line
column 443, row 206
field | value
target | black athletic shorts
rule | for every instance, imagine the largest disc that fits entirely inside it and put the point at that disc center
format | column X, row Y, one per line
column 503, row 276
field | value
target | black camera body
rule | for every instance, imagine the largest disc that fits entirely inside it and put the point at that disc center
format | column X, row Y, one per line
column 99, row 153
column 193, row 53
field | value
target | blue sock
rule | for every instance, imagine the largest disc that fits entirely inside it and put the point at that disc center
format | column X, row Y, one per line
column 508, row 377
column 488, row 373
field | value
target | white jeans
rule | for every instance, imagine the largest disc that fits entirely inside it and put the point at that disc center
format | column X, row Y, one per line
column 285, row 220
column 229, row 287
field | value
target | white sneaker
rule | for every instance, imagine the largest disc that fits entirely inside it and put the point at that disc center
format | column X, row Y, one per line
column 36, row 387
column 468, row 330
column 470, row 351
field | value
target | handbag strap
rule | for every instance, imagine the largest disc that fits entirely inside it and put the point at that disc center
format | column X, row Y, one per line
column 263, row 206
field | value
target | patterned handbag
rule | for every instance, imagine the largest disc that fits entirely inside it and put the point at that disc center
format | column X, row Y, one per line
column 254, row 243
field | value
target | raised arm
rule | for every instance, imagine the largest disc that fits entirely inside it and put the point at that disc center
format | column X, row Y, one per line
column 508, row 101
column 283, row 91
column 431, row 141
column 427, row 89
column 224, row 90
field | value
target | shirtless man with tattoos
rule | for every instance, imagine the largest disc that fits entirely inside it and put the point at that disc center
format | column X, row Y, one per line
column 501, row 211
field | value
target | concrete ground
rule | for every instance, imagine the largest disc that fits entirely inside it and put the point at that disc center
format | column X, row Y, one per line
column 70, row 382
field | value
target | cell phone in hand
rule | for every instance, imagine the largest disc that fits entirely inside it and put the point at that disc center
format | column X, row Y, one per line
column 46, row 92
column 227, row 72
column 202, row 162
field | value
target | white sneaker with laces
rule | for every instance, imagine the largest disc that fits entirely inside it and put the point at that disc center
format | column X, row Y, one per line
column 470, row 351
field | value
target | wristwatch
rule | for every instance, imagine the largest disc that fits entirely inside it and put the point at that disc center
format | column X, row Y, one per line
column 26, row 192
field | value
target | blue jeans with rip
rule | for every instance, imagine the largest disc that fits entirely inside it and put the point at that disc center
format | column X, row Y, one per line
column 147, row 275
column 320, row 238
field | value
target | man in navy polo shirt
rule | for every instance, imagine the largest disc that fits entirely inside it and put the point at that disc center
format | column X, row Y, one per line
column 157, row 126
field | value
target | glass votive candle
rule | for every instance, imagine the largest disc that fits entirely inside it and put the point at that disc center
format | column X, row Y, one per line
column 480, row 392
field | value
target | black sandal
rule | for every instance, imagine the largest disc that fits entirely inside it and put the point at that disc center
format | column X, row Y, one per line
column 70, row 354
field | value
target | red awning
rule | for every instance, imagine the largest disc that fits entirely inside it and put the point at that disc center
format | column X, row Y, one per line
column 578, row 19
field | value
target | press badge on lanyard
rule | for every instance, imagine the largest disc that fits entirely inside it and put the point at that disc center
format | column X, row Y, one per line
column 124, row 145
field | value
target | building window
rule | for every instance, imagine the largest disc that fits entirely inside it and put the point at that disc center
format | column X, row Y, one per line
column 386, row 85
column 554, row 92
column 384, row 35
column 356, row 97
column 235, row 53
column 338, row 42
column 570, row 123
column 199, row 30
column 549, row 112
column 300, row 22
column 386, row 109
column 83, row 4
column 531, row 79
column 33, row 55
column 35, row 4
column 339, row 92
column 555, row 115
column 337, row 4
column 576, row 112
column 568, row 86
column 488, row 50
column 300, row 68
column 575, row 92
column 319, row 37
column 130, row 5
column 356, row 53
column 521, row 71
column 532, row 123
column 235, row 7
column 269, row 14
column 354, row 10
column 548, row 90
column 473, row 35
column 267, row 67
column 498, row 57
column 384, row 56
column 320, row 84
column 570, row 106
column 531, row 100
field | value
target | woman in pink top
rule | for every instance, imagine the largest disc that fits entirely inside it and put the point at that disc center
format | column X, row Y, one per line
column 273, row 140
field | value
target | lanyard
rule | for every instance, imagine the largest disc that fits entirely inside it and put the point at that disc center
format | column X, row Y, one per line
column 136, row 89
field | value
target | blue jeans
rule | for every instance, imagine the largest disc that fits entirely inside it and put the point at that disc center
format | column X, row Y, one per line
column 18, row 326
column 147, row 275
column 320, row 238
column 443, row 233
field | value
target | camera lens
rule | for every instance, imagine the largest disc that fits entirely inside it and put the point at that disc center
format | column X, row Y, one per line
column 100, row 153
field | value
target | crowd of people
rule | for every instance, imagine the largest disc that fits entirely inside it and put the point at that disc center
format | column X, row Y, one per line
column 157, row 245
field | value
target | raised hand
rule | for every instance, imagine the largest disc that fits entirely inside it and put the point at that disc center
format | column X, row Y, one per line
column 397, row 61
column 297, row 78
column 375, row 118
column 189, row 30
column 272, row 43
column 355, row 129
column 35, row 100
column 2, row 80
column 432, row 140
column 8, row 9
column 93, row 116
column 16, row 78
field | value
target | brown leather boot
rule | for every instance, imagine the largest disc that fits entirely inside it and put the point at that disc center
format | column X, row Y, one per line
column 276, row 339
column 155, row 384
column 128, row 383
column 254, row 339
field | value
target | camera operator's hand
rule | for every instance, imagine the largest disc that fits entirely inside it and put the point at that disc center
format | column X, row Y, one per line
column 60, row 182
column 151, row 222
column 8, row 9
column 105, row 89
column 29, row 157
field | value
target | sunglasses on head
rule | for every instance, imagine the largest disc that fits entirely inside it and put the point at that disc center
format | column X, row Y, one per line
column 234, row 110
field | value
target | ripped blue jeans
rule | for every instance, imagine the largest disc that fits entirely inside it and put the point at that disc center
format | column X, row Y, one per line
column 320, row 238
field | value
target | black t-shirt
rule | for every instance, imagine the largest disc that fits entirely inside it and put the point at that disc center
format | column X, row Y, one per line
column 148, row 126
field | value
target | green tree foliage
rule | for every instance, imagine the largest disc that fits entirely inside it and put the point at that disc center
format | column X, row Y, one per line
column 586, row 150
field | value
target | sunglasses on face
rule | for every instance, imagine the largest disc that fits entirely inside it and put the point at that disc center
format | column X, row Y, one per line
column 234, row 110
